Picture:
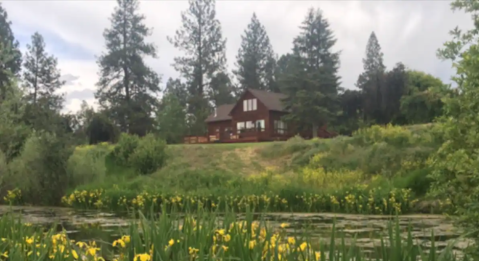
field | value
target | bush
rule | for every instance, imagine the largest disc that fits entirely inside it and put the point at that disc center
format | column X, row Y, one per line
column 3, row 172
column 86, row 165
column 125, row 148
column 40, row 171
column 149, row 155
column 392, row 135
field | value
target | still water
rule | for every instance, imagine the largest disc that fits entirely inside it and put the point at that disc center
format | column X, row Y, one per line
column 367, row 230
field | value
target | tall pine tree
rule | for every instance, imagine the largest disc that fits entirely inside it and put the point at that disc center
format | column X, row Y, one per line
column 202, row 42
column 12, row 57
column 372, row 81
column 41, row 77
column 178, row 89
column 221, row 91
column 42, row 82
column 313, row 82
column 127, row 86
column 255, row 60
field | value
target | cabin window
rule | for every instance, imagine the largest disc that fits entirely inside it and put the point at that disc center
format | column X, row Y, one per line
column 250, row 125
column 280, row 127
column 250, row 105
column 260, row 125
column 240, row 126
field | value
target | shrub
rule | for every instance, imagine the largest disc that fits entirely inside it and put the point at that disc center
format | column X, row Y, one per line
column 149, row 155
column 86, row 166
column 125, row 148
column 40, row 171
column 393, row 135
column 3, row 171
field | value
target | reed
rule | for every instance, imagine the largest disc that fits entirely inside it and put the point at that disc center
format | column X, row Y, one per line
column 206, row 235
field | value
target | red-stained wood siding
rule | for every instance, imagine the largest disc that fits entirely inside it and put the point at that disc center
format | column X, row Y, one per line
column 219, row 128
column 261, row 113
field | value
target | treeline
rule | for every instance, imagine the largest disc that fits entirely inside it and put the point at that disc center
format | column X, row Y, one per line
column 128, row 90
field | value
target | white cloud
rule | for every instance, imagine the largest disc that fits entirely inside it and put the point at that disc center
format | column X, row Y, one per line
column 408, row 31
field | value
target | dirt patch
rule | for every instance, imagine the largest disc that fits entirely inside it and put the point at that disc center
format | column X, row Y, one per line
column 248, row 161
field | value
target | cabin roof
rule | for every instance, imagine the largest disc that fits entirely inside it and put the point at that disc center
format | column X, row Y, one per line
column 222, row 113
column 272, row 101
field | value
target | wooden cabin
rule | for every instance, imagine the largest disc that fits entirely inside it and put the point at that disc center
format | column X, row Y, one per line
column 255, row 117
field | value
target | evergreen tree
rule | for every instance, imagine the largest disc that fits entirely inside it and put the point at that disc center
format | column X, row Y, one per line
column 395, row 88
column 371, row 81
column 201, row 39
column 127, row 86
column 11, row 63
column 178, row 89
column 171, row 119
column 41, row 77
column 221, row 91
column 255, row 59
column 313, row 82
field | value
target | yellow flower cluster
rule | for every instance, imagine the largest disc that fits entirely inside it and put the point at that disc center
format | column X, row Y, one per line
column 53, row 246
column 13, row 196
column 359, row 199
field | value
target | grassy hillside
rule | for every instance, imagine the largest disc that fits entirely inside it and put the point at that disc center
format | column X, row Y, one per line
column 377, row 170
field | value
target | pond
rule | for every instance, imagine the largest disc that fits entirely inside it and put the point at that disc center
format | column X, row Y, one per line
column 366, row 230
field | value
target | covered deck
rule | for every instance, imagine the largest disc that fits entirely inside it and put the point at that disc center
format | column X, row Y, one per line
column 245, row 135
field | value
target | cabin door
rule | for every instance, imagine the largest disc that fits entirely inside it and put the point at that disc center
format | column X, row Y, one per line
column 225, row 134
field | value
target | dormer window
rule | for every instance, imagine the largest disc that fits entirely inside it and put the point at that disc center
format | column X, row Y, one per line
column 249, row 105
column 216, row 114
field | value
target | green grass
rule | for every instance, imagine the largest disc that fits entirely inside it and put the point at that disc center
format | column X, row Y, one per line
column 383, row 158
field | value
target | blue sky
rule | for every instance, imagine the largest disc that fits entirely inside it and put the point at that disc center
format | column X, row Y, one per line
column 408, row 31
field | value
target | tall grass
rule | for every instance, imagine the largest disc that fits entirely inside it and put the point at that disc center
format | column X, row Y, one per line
column 206, row 236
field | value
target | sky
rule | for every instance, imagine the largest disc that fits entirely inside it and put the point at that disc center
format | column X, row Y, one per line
column 408, row 31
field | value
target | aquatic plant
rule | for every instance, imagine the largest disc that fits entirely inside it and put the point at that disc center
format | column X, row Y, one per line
column 357, row 199
column 204, row 236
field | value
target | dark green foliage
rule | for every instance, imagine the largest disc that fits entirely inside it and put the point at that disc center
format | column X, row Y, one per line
column 41, row 169
column 127, row 86
column 13, row 130
column 100, row 129
column 41, row 77
column 417, row 180
column 178, row 89
column 255, row 59
column 396, row 88
column 221, row 91
column 371, row 81
column 313, row 82
column 201, row 39
column 41, row 82
column 351, row 102
column 171, row 119
column 149, row 155
column 10, row 54
column 423, row 101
